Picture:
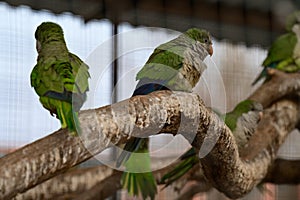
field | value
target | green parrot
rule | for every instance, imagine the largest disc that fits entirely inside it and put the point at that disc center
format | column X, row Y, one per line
column 175, row 65
column 60, row 78
column 284, row 53
column 242, row 121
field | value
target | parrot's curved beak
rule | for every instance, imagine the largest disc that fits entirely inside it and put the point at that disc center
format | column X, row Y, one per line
column 260, row 115
column 210, row 50
column 38, row 46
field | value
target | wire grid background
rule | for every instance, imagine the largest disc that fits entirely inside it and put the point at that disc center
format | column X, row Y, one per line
column 230, row 71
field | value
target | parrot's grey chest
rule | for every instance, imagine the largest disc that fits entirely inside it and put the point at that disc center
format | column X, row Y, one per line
column 193, row 65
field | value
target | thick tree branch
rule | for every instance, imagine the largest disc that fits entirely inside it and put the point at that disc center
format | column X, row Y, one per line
column 279, row 86
column 142, row 116
column 85, row 183
column 235, row 176
column 194, row 189
column 102, row 127
column 284, row 172
column 72, row 183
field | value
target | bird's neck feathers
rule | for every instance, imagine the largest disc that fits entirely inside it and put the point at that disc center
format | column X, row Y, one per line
column 193, row 65
column 247, row 123
column 52, row 37
column 53, row 47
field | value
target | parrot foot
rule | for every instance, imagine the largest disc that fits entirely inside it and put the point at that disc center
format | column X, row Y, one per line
column 271, row 71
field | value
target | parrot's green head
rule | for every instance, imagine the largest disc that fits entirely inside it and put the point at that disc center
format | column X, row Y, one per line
column 292, row 19
column 244, row 108
column 48, row 32
column 202, row 36
column 248, row 105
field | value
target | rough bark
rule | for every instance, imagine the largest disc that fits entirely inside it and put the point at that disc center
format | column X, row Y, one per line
column 103, row 127
column 100, row 183
column 235, row 176
column 175, row 113
column 284, row 172
column 73, row 183
column 279, row 86
column 194, row 189
column 85, row 183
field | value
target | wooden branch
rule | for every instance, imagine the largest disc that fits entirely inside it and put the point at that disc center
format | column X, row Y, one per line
column 284, row 172
column 74, row 182
column 247, row 173
column 192, row 190
column 98, row 182
column 164, row 111
column 101, row 128
column 279, row 86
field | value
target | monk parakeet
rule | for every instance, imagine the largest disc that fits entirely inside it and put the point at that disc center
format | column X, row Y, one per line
column 284, row 53
column 175, row 65
column 60, row 78
column 242, row 121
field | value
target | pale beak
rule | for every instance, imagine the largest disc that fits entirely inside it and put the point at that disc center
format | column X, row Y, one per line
column 38, row 46
column 260, row 115
column 210, row 50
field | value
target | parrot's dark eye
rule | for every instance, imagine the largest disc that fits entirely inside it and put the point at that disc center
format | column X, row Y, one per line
column 206, row 40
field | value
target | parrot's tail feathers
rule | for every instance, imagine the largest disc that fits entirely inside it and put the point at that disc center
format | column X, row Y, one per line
column 264, row 74
column 179, row 170
column 76, row 124
column 130, row 147
column 68, row 118
column 260, row 76
column 137, row 184
column 190, row 153
column 61, row 116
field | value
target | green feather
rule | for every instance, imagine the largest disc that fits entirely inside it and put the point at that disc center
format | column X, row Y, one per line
column 281, row 49
column 291, row 20
column 241, row 108
column 139, row 178
column 60, row 78
column 167, row 59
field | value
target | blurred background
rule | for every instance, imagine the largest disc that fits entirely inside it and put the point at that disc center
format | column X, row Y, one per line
column 115, row 38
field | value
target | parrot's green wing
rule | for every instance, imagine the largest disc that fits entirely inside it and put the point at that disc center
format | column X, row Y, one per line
column 163, row 64
column 280, row 56
column 281, row 49
column 284, row 52
column 81, row 81
column 62, row 87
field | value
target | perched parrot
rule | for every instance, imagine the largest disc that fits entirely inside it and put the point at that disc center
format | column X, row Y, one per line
column 242, row 121
column 60, row 78
column 175, row 65
column 284, row 53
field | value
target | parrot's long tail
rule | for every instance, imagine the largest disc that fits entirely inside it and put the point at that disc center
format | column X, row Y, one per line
column 138, row 180
column 188, row 161
column 139, row 184
column 260, row 76
column 68, row 118
column 131, row 146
